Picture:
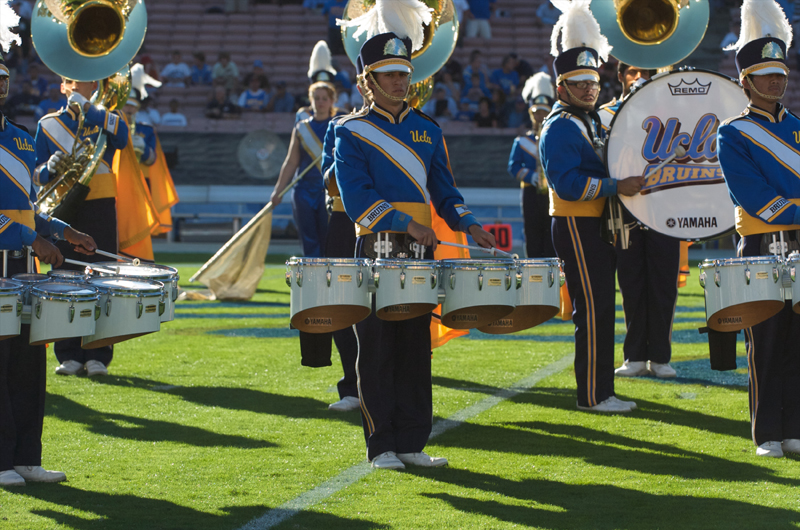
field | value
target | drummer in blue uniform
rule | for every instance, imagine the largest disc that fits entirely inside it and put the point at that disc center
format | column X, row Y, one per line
column 647, row 271
column 22, row 366
column 97, row 215
column 579, row 185
column 759, row 158
column 523, row 165
column 391, row 165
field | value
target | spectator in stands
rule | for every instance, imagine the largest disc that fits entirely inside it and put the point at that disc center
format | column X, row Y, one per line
column 498, row 101
column 146, row 108
column 473, row 98
column 201, row 72
column 255, row 98
column 220, row 106
column 39, row 82
column 463, row 13
column 22, row 103
column 281, row 100
column 334, row 9
column 548, row 13
column 25, row 11
column 174, row 118
column 478, row 25
column 259, row 74
column 465, row 113
column 441, row 107
column 451, row 87
column 150, row 67
column 506, row 78
column 342, row 96
column 225, row 72
column 516, row 116
column 176, row 73
column 522, row 67
column 476, row 82
column 313, row 5
column 54, row 102
column 475, row 66
column 485, row 117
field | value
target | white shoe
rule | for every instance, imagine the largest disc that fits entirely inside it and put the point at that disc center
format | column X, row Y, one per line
column 631, row 369
column 345, row 404
column 421, row 459
column 791, row 445
column 69, row 368
column 609, row 405
column 631, row 404
column 387, row 460
column 94, row 368
column 662, row 371
column 40, row 474
column 11, row 478
column 772, row 449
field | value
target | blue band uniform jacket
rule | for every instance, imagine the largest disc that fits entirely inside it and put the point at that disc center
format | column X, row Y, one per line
column 523, row 162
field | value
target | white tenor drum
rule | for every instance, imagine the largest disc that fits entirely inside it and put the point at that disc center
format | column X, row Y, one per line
column 538, row 287
column 10, row 308
column 741, row 292
column 28, row 280
column 65, row 275
column 128, row 308
column 477, row 292
column 328, row 294
column 405, row 288
column 151, row 271
column 60, row 310
column 687, row 199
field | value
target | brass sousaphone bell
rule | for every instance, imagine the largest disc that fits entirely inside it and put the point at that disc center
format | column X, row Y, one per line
column 652, row 33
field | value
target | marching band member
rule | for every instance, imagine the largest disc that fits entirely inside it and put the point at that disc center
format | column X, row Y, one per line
column 578, row 188
column 22, row 366
column 647, row 272
column 97, row 216
column 759, row 158
column 391, row 164
column 523, row 165
column 320, row 69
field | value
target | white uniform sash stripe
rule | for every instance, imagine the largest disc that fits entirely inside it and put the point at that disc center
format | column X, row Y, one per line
column 401, row 154
column 310, row 142
column 529, row 146
column 65, row 140
column 779, row 150
column 16, row 169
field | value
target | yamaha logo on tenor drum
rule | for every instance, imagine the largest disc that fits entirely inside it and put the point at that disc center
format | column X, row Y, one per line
column 684, row 194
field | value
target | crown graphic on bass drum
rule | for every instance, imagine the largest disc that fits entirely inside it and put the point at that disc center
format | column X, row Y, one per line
column 695, row 88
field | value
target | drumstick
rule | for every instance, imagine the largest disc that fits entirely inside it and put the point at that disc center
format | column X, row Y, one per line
column 493, row 251
column 677, row 153
column 136, row 261
column 90, row 265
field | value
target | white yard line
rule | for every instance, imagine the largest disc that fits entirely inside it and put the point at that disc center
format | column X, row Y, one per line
column 355, row 473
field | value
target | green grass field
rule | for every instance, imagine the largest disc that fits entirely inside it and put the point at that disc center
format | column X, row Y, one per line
column 212, row 423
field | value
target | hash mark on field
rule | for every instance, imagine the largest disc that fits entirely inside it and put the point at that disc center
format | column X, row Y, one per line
column 355, row 473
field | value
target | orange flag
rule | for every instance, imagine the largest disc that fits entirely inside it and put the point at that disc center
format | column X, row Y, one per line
column 162, row 189
column 441, row 334
column 683, row 275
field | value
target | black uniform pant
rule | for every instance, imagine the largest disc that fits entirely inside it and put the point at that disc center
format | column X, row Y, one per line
column 648, row 280
column 773, row 362
column 315, row 348
column 394, row 381
column 22, row 394
column 535, row 208
column 98, row 218
column 589, row 265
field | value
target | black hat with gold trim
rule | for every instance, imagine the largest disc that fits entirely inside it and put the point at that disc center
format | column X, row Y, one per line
column 8, row 19
column 583, row 45
column 763, row 40
column 538, row 92
column 320, row 65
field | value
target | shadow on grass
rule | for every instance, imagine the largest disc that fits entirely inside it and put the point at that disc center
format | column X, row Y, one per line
column 569, row 506
column 241, row 399
column 142, row 429
column 129, row 512
column 467, row 386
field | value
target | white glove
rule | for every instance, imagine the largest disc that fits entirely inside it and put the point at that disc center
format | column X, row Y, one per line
column 138, row 143
column 55, row 161
column 77, row 99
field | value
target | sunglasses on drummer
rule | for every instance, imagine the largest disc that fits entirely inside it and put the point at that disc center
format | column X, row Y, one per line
column 583, row 85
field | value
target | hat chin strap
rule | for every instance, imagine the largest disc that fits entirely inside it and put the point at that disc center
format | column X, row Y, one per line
column 575, row 101
column 765, row 96
column 383, row 93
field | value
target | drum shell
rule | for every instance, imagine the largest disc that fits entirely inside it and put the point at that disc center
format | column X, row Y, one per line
column 733, row 303
column 10, row 309
column 792, row 265
column 320, row 305
column 538, row 296
column 148, row 271
column 28, row 280
column 120, row 317
column 405, row 289
column 477, row 292
column 57, row 315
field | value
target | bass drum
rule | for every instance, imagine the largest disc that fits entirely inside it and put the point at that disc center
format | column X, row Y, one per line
column 686, row 199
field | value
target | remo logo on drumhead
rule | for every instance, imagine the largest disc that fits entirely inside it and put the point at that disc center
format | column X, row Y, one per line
column 687, row 198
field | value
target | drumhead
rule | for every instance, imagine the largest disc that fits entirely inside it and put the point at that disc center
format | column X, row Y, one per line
column 130, row 286
column 688, row 198
column 64, row 291
column 412, row 264
column 150, row 270
column 29, row 278
column 64, row 274
column 9, row 286
column 324, row 262
column 538, row 262
column 731, row 262
column 476, row 264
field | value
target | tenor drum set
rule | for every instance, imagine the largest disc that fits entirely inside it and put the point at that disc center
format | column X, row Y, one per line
column 492, row 295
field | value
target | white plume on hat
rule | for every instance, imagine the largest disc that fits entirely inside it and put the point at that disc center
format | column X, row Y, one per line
column 8, row 19
column 320, row 59
column 578, row 27
column 762, row 18
column 404, row 18
column 139, row 78
column 539, row 84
